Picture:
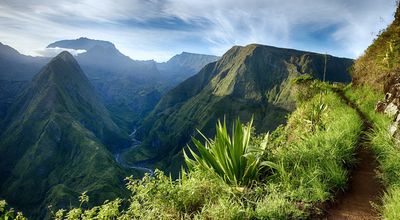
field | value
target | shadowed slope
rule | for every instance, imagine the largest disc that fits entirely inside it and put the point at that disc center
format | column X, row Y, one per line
column 52, row 149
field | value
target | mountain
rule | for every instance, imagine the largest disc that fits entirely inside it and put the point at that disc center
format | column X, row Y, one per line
column 57, row 142
column 15, row 66
column 183, row 66
column 130, row 88
column 247, row 81
column 82, row 43
column 15, row 72
column 103, row 60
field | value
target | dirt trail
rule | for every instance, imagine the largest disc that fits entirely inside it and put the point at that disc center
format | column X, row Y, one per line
column 365, row 188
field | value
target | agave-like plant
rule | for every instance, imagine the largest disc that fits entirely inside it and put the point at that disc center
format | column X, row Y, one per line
column 231, row 157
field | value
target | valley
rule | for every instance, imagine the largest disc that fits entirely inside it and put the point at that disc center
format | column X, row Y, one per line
column 119, row 156
column 259, row 131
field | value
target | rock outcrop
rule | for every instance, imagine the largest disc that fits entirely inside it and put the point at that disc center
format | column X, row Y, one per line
column 391, row 104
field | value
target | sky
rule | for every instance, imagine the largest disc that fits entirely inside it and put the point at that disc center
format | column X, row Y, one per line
column 159, row 29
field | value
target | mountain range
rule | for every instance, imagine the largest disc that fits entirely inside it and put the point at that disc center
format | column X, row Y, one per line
column 63, row 126
column 15, row 72
column 129, row 88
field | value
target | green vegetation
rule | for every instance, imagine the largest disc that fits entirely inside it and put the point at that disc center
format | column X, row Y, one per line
column 232, row 158
column 384, row 146
column 254, row 81
column 9, row 213
column 306, row 166
column 53, row 147
column 381, row 58
column 373, row 75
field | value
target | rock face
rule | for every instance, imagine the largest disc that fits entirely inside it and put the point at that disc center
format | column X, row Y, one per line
column 391, row 104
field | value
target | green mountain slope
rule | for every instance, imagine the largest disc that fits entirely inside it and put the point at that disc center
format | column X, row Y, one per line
column 381, row 59
column 252, row 80
column 57, row 142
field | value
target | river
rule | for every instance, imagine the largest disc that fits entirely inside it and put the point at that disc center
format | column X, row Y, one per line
column 120, row 160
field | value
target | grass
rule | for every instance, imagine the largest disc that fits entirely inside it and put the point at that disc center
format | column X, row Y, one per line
column 384, row 147
column 307, row 164
column 312, row 164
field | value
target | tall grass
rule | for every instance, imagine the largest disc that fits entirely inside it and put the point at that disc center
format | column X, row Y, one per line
column 385, row 148
column 305, row 166
column 311, row 165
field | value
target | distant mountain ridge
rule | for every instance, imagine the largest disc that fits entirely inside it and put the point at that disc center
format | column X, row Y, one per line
column 15, row 72
column 81, row 43
column 57, row 142
column 16, row 66
column 254, row 80
column 184, row 65
column 131, row 88
column 103, row 59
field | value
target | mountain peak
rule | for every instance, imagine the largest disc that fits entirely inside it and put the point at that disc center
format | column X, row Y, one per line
column 64, row 72
column 7, row 50
column 64, row 87
column 62, row 124
column 65, row 55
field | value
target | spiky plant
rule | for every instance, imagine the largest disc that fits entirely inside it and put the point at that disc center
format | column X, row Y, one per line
column 232, row 157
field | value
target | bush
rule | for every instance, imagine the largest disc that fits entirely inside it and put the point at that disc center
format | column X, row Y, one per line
column 232, row 157
column 9, row 213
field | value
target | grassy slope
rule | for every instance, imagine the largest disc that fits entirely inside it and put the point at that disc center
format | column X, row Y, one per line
column 380, row 59
column 385, row 148
column 308, row 169
column 371, row 72
column 252, row 80
column 53, row 148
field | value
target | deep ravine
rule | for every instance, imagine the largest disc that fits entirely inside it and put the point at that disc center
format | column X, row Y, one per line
column 120, row 160
column 364, row 188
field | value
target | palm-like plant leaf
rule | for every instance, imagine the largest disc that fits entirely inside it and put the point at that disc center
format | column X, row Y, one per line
column 231, row 157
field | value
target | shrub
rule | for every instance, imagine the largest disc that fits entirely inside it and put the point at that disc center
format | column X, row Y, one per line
column 232, row 157
column 9, row 213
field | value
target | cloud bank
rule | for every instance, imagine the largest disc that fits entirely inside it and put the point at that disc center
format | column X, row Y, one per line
column 158, row 29
column 51, row 52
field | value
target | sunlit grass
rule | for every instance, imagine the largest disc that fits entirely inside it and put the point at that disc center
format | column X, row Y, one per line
column 238, row 175
column 384, row 147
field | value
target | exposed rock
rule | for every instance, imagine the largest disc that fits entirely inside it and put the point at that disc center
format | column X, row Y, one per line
column 391, row 110
column 393, row 128
column 380, row 106
column 391, row 105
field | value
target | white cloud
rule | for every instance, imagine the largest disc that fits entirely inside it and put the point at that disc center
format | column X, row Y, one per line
column 51, row 52
column 30, row 25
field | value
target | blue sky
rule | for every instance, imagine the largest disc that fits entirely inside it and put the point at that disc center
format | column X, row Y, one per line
column 158, row 29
